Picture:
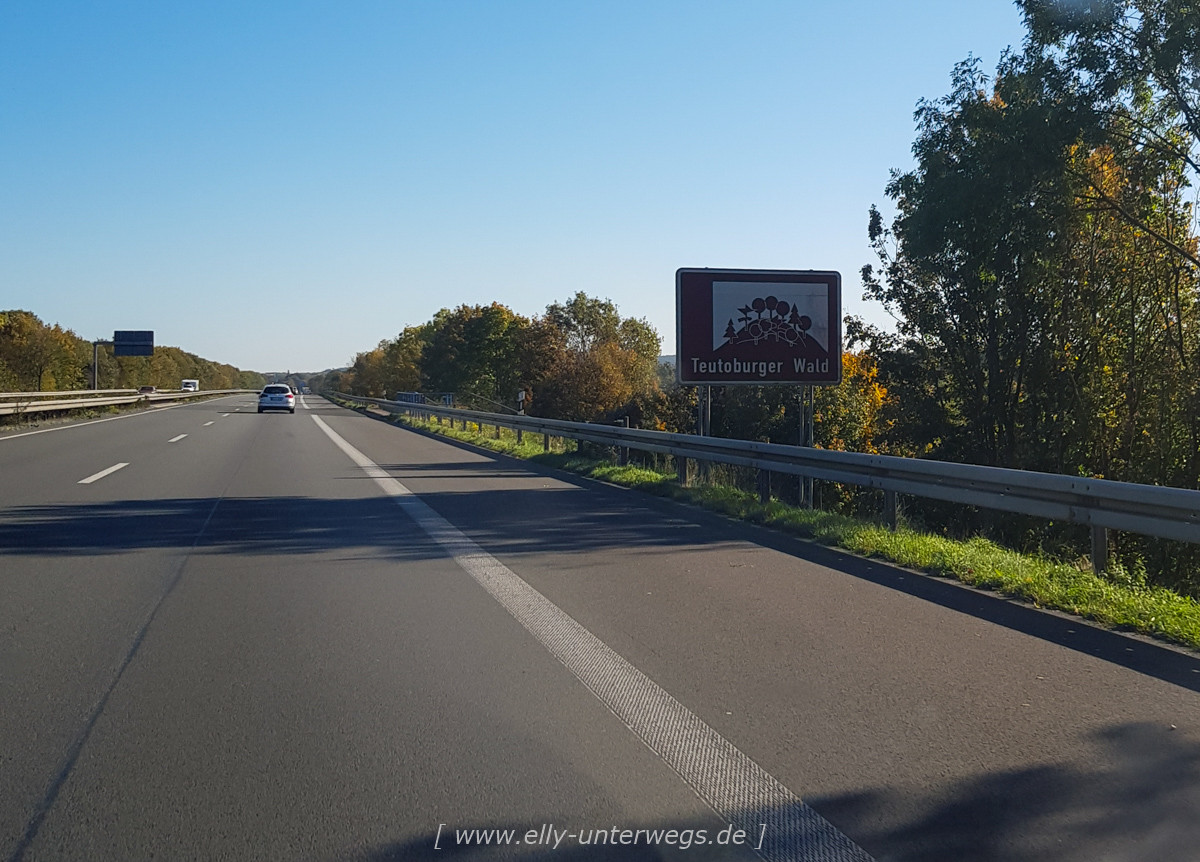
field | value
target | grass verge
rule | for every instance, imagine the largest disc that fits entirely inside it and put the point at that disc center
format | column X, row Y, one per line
column 1119, row 601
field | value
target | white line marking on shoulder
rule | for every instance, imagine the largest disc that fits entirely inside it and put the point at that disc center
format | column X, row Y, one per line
column 739, row 790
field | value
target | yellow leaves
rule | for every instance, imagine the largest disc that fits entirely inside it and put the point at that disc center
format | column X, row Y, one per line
column 1104, row 171
column 849, row 417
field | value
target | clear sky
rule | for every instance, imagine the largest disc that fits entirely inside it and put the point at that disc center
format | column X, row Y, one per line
column 280, row 185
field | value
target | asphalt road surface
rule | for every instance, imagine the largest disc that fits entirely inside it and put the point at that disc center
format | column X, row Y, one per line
column 226, row 635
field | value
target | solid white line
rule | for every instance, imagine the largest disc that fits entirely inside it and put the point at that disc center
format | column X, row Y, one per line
column 176, row 439
column 739, row 790
column 114, row 468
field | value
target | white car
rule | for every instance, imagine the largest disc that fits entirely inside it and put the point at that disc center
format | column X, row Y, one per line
column 277, row 396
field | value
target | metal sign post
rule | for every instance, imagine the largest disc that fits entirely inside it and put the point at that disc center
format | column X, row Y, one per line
column 807, row 400
column 96, row 363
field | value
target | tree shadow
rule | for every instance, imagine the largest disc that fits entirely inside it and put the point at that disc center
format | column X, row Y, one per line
column 250, row 526
column 1139, row 801
column 531, row 520
column 561, row 519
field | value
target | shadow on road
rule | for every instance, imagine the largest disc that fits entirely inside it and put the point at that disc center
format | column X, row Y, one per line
column 564, row 516
column 1138, row 802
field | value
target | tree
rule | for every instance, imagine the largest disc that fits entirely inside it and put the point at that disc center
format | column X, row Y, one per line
column 402, row 359
column 1134, row 66
column 585, row 321
column 37, row 355
column 367, row 374
column 968, row 260
column 607, row 367
column 1043, row 262
column 850, row 417
column 474, row 351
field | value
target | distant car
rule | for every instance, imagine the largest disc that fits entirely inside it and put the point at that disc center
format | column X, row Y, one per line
column 277, row 396
column 190, row 386
column 146, row 390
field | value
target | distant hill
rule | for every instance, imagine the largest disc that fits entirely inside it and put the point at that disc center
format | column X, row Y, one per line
column 667, row 359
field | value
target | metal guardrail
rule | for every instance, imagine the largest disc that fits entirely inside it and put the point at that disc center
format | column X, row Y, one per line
column 1102, row 504
column 32, row 402
column 7, row 396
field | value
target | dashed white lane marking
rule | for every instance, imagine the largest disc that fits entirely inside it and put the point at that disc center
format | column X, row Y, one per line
column 206, row 424
column 92, row 478
column 176, row 439
column 739, row 790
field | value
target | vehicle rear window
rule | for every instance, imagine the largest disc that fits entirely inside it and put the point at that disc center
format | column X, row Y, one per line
column 276, row 390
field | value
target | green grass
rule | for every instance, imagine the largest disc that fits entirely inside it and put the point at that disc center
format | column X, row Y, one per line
column 1118, row 600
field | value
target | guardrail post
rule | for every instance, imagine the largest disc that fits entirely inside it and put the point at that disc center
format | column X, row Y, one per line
column 763, row 480
column 623, row 456
column 764, row 486
column 681, row 469
column 890, row 508
column 545, row 442
column 497, row 430
column 1099, row 549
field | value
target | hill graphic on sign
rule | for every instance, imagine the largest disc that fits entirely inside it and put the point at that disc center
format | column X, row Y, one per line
column 772, row 327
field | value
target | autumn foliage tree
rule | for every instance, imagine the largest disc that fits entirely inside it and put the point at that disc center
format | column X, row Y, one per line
column 608, row 364
column 35, row 356
column 579, row 360
column 1042, row 265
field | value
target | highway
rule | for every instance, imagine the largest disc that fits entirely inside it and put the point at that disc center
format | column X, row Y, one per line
column 226, row 635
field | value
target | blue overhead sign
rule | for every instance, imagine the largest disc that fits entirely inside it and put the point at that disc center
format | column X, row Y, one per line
column 133, row 342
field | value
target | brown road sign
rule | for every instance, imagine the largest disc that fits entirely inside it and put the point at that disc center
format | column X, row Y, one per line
column 758, row 327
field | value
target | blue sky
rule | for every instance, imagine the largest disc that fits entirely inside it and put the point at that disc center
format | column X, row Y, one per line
column 280, row 185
